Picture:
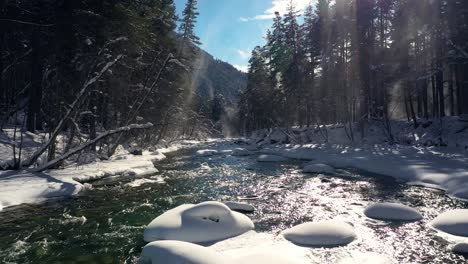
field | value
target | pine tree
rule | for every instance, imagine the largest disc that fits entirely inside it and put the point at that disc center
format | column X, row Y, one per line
column 187, row 26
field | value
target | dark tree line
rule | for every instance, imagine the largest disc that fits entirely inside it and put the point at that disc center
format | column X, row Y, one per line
column 351, row 61
column 81, row 68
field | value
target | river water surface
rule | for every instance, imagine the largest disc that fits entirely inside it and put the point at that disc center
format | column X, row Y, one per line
column 105, row 224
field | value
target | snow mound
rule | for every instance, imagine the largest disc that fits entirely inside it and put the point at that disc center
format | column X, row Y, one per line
column 178, row 252
column 392, row 212
column 206, row 152
column 318, row 168
column 256, row 248
column 460, row 248
column 453, row 222
column 204, row 222
column 270, row 158
column 241, row 152
column 240, row 207
column 325, row 233
column 264, row 258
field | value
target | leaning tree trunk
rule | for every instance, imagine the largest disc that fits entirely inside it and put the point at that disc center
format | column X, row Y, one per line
column 70, row 111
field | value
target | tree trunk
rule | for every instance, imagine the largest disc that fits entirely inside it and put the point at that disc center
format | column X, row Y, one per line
column 35, row 91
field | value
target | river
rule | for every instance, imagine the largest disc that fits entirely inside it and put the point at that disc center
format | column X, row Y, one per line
column 105, row 223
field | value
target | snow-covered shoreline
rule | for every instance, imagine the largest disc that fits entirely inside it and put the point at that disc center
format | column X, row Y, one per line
column 23, row 187
column 441, row 168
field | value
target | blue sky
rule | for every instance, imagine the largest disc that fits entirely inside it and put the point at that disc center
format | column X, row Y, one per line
column 230, row 29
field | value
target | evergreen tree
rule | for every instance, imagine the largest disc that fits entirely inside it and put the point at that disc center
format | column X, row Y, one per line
column 187, row 26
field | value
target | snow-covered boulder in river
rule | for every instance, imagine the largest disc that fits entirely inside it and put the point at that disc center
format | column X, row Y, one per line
column 240, row 207
column 392, row 212
column 241, row 152
column 270, row 158
column 324, row 233
column 206, row 152
column 204, row 222
column 460, row 248
column 453, row 222
column 177, row 252
column 318, row 168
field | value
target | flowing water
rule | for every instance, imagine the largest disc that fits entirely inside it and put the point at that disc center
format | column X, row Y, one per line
column 105, row 224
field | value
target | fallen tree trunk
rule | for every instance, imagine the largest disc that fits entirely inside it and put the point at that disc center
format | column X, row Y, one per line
column 74, row 151
column 69, row 113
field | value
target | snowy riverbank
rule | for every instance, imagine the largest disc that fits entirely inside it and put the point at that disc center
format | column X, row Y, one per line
column 432, row 155
column 440, row 168
column 25, row 187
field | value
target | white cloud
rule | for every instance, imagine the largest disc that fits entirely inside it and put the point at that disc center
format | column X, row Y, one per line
column 280, row 6
column 243, row 54
column 241, row 68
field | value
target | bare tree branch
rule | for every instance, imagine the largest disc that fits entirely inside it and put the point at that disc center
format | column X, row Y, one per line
column 69, row 112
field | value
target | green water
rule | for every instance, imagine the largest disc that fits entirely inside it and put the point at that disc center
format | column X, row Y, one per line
column 105, row 224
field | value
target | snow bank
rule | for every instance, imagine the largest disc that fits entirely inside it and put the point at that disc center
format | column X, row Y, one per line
column 18, row 187
column 177, row 252
column 318, row 168
column 392, row 212
column 446, row 169
column 206, row 152
column 460, row 248
column 271, row 158
column 140, row 182
column 241, row 152
column 240, row 207
column 453, row 222
column 325, row 233
column 204, row 222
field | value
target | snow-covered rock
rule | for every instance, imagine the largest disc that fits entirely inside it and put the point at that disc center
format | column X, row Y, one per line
column 453, row 222
column 241, row 152
column 270, row 158
column 324, row 233
column 256, row 248
column 392, row 212
column 206, row 152
column 204, row 222
column 177, row 252
column 240, row 207
column 264, row 258
column 277, row 136
column 318, row 168
column 460, row 248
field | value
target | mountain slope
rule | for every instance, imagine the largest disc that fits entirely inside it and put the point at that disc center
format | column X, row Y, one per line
column 214, row 78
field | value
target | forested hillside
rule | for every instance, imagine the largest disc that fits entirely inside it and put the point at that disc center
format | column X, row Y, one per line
column 81, row 68
column 352, row 61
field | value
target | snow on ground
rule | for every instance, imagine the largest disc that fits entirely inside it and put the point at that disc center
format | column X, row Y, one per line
column 204, row 222
column 18, row 187
column 392, row 212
